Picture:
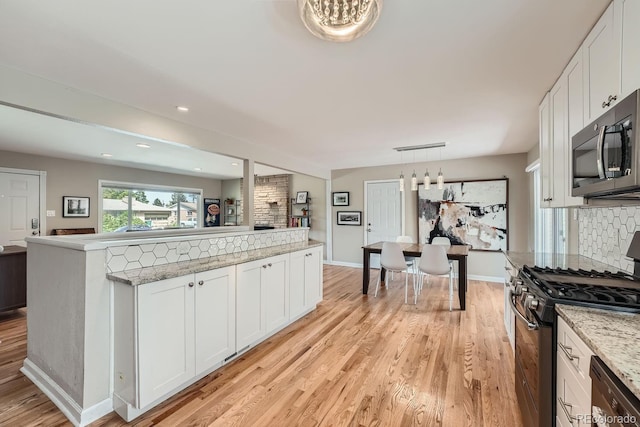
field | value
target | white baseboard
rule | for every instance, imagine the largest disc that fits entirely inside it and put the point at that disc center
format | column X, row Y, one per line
column 486, row 278
column 344, row 264
column 75, row 413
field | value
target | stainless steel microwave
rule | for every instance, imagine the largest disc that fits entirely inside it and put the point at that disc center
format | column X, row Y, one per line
column 605, row 156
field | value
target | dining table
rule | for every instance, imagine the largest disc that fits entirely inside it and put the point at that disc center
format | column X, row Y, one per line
column 457, row 253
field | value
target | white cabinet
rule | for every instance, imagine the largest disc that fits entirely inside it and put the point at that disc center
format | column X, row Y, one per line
column 168, row 332
column 546, row 159
column 601, row 54
column 305, row 281
column 628, row 23
column 573, row 384
column 262, row 299
column 559, row 132
column 215, row 314
column 511, row 273
column 165, row 337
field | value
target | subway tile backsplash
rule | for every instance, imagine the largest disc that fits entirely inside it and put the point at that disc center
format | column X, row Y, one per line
column 129, row 257
column 605, row 234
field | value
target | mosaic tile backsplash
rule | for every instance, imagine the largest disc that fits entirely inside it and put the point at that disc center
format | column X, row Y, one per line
column 606, row 233
column 129, row 257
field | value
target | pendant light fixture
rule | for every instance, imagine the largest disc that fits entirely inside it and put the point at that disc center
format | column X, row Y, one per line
column 427, row 177
column 414, row 181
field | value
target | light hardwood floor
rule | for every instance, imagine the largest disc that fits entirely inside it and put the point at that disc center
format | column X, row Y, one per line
column 355, row 361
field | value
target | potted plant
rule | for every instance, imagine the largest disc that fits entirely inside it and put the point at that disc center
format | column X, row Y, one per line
column 304, row 211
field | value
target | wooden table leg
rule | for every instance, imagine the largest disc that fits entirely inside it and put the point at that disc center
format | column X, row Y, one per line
column 366, row 254
column 462, row 282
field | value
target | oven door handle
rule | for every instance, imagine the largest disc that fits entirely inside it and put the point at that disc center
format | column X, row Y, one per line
column 531, row 326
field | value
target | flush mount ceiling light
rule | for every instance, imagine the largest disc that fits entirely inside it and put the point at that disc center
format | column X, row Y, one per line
column 141, row 145
column 339, row 20
column 106, row 155
column 182, row 108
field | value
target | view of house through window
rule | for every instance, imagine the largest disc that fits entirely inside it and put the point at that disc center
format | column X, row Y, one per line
column 139, row 208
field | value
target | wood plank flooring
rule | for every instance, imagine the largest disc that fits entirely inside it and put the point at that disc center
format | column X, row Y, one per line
column 355, row 361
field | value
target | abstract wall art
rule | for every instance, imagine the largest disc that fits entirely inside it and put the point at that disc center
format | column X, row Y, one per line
column 466, row 212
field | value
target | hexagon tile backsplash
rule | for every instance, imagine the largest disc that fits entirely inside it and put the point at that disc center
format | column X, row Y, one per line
column 123, row 258
column 606, row 233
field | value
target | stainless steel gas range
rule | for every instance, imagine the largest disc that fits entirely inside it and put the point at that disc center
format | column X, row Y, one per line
column 537, row 290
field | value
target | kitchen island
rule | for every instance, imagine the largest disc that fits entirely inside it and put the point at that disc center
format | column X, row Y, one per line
column 88, row 294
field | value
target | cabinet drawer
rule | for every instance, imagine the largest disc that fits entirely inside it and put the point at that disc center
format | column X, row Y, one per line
column 575, row 352
column 572, row 398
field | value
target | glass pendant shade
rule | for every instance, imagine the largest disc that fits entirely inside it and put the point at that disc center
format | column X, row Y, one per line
column 427, row 180
column 440, row 180
column 414, row 182
column 401, row 182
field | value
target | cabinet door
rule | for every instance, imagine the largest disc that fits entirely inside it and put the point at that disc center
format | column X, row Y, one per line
column 546, row 159
column 250, row 319
column 559, row 112
column 276, row 292
column 165, row 336
column 313, row 277
column 601, row 53
column 215, row 325
column 297, row 283
column 629, row 17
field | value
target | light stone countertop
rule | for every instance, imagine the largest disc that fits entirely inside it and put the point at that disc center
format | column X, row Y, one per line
column 614, row 336
column 144, row 275
column 541, row 259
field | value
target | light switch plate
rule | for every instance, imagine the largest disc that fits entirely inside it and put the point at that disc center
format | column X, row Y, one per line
column 51, row 213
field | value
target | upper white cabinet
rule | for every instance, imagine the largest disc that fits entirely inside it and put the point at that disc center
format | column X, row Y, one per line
column 546, row 159
column 601, row 54
column 628, row 22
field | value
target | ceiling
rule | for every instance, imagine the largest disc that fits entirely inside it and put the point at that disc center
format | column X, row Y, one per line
column 467, row 72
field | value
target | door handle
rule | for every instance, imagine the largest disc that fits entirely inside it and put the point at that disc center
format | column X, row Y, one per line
column 369, row 230
column 35, row 233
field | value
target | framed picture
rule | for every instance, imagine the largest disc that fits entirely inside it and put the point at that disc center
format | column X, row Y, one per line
column 341, row 198
column 301, row 196
column 473, row 213
column 350, row 218
column 75, row 207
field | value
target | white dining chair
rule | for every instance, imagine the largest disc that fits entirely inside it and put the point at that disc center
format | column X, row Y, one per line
column 392, row 260
column 434, row 262
column 411, row 261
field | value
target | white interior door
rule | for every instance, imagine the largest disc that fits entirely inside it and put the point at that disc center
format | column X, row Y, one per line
column 383, row 215
column 19, row 207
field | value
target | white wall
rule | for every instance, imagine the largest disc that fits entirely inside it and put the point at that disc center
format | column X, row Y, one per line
column 347, row 241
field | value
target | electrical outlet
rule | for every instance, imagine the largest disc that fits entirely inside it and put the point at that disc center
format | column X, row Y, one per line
column 51, row 213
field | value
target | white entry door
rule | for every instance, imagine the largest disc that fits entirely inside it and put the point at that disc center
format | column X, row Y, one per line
column 19, row 207
column 384, row 214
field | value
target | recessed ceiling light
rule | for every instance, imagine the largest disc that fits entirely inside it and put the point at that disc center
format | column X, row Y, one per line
column 182, row 108
column 141, row 145
column 234, row 164
column 106, row 155
column 197, row 169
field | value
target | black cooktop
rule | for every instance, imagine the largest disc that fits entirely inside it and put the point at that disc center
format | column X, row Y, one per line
column 604, row 288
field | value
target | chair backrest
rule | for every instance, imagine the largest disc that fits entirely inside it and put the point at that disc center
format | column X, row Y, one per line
column 441, row 241
column 433, row 260
column 392, row 257
column 404, row 239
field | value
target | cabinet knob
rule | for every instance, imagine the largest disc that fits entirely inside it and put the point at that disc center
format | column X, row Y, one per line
column 269, row 264
column 264, row 266
column 201, row 282
column 191, row 284
column 612, row 97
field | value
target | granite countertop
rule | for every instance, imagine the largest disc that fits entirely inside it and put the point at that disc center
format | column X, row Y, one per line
column 144, row 275
column 611, row 335
column 541, row 259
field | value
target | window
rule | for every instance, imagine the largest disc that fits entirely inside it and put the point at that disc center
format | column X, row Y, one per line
column 139, row 207
column 550, row 224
